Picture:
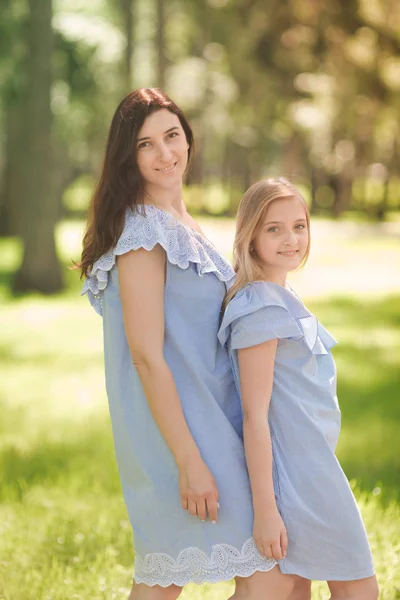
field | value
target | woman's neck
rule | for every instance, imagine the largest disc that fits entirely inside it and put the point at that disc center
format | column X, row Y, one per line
column 169, row 200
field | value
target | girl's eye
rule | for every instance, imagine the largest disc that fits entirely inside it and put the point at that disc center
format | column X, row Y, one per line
column 300, row 226
column 143, row 145
column 272, row 229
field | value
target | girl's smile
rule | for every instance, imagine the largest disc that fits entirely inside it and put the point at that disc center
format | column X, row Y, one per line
column 289, row 253
column 282, row 238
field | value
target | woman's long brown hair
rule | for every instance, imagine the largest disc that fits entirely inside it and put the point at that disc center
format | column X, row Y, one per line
column 120, row 183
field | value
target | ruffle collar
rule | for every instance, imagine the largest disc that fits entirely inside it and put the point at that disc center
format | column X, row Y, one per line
column 182, row 244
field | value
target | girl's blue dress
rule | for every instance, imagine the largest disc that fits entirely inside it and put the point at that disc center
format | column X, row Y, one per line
column 171, row 546
column 327, row 538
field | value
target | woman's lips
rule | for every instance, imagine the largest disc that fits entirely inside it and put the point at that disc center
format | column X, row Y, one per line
column 167, row 169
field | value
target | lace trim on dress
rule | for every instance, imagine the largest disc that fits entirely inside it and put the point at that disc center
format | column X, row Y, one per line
column 194, row 565
column 182, row 245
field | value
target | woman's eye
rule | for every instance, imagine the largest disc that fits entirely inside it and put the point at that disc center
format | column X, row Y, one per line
column 173, row 134
column 300, row 226
column 272, row 229
column 143, row 145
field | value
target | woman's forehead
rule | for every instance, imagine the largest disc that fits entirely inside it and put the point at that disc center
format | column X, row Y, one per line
column 159, row 122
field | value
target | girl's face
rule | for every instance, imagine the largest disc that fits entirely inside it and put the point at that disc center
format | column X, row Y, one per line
column 282, row 238
column 162, row 150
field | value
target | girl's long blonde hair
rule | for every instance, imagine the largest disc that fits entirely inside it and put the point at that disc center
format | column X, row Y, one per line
column 251, row 212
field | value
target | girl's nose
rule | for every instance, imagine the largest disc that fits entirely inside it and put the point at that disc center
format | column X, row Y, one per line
column 291, row 239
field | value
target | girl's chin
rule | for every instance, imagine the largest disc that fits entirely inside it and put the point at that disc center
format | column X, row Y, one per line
column 286, row 265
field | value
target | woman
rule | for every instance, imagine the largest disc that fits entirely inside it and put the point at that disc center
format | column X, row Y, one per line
column 159, row 285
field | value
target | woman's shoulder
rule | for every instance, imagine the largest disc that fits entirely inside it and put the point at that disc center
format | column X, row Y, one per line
column 145, row 227
column 182, row 244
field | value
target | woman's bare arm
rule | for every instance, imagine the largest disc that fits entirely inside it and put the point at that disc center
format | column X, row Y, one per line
column 256, row 365
column 141, row 278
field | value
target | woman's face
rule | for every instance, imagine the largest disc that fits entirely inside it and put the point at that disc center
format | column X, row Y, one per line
column 162, row 150
column 282, row 239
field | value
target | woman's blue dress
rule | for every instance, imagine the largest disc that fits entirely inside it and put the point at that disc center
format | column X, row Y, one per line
column 171, row 546
column 327, row 538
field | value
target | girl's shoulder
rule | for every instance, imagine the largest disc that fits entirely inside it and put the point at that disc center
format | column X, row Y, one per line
column 264, row 310
column 145, row 228
column 259, row 294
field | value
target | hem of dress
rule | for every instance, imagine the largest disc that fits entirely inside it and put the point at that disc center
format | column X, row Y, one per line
column 313, row 576
column 195, row 566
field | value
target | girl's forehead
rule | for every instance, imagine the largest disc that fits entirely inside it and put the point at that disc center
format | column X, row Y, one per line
column 288, row 208
column 159, row 122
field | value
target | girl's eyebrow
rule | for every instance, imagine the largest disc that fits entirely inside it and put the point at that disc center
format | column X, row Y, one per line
column 280, row 222
column 165, row 132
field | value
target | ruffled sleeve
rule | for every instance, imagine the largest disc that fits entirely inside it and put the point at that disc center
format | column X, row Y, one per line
column 264, row 311
column 251, row 319
column 182, row 245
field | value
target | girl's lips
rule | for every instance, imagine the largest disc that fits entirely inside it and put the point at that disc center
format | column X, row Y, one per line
column 289, row 253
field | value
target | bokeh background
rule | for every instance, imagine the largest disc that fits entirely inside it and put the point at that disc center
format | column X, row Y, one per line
column 306, row 90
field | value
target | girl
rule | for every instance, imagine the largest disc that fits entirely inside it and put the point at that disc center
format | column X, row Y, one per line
column 176, row 416
column 305, row 514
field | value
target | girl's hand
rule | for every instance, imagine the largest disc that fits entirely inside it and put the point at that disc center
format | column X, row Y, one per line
column 198, row 491
column 270, row 535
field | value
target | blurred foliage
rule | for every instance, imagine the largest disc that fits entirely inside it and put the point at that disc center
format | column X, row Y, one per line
column 309, row 90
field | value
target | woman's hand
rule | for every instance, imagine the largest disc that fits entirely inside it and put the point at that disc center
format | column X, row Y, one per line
column 198, row 490
column 270, row 535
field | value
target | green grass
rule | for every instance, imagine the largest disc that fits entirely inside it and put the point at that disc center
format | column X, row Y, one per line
column 64, row 531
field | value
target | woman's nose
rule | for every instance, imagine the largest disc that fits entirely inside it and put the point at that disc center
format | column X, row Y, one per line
column 164, row 152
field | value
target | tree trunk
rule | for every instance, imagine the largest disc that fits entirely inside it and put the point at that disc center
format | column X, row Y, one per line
column 160, row 43
column 40, row 268
column 12, row 185
column 383, row 205
column 314, row 180
column 343, row 190
column 127, row 8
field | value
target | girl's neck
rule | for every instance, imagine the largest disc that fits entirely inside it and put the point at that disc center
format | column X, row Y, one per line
column 275, row 276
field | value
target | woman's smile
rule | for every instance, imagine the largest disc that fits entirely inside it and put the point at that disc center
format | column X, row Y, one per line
column 168, row 169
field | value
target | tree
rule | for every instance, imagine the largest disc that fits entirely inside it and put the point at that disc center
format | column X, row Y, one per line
column 160, row 43
column 40, row 269
column 14, row 98
column 127, row 9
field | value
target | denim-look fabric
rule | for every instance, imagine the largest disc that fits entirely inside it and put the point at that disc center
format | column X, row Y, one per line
column 327, row 538
column 171, row 546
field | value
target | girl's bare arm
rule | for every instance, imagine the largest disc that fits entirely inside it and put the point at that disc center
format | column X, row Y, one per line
column 256, row 365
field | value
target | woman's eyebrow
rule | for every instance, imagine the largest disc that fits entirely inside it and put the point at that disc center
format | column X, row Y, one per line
column 165, row 132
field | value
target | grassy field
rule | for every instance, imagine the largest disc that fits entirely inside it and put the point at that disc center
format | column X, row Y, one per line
column 64, row 532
